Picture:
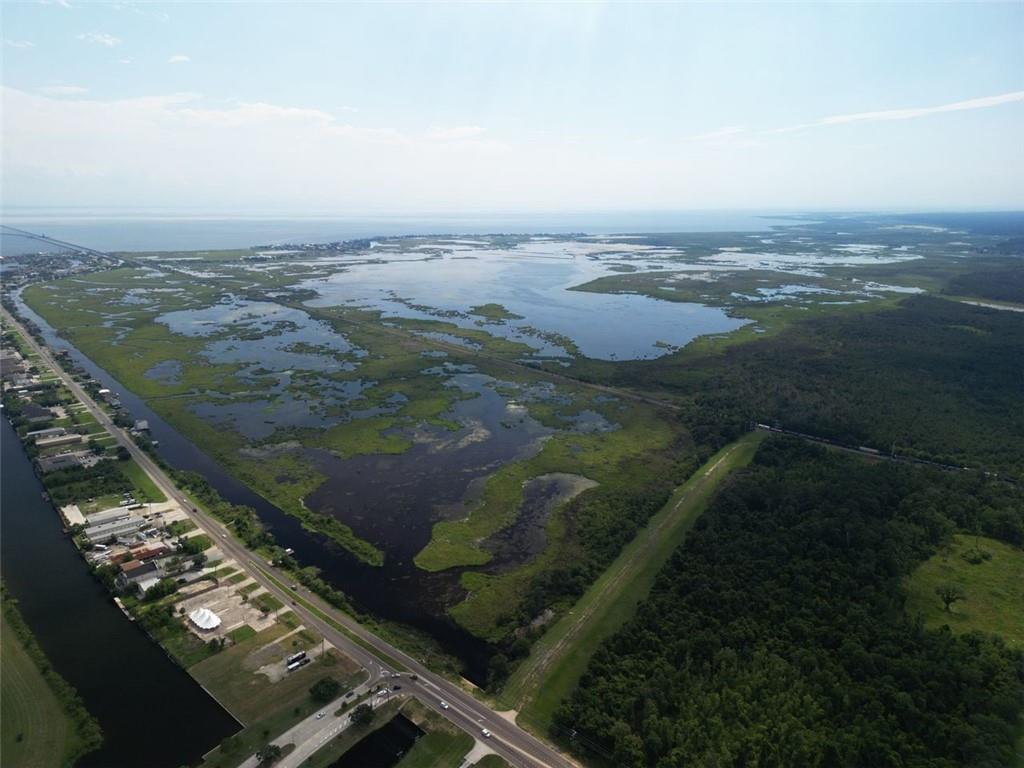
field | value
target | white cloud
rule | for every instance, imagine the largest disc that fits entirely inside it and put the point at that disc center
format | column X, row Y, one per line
column 100, row 38
column 179, row 58
column 178, row 146
column 455, row 133
column 61, row 3
column 124, row 61
column 63, row 90
column 181, row 149
column 19, row 43
column 909, row 113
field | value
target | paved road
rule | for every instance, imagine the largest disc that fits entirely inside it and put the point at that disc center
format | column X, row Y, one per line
column 515, row 745
column 316, row 730
column 49, row 240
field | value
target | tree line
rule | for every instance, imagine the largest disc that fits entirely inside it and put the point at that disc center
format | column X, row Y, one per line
column 777, row 636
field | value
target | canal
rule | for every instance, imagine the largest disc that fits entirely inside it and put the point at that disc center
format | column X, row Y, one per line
column 151, row 711
column 362, row 583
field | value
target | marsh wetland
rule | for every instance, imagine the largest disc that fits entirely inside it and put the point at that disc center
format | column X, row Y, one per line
column 447, row 416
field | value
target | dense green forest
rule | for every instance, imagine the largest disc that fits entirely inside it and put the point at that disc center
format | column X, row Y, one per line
column 937, row 379
column 777, row 635
column 999, row 284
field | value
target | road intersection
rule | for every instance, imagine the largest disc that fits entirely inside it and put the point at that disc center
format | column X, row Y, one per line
column 515, row 745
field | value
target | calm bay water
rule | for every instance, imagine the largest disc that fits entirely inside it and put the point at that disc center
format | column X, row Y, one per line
column 171, row 233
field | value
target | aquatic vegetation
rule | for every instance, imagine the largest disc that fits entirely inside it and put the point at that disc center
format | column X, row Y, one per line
column 403, row 397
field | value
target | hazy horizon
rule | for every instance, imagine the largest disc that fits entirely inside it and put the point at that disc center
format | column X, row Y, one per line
column 364, row 109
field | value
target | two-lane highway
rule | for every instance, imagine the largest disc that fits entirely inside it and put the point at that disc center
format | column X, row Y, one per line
column 515, row 745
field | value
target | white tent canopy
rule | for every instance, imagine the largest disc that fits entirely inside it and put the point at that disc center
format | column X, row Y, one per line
column 204, row 618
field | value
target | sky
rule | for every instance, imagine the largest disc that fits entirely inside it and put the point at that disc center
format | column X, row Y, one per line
column 334, row 108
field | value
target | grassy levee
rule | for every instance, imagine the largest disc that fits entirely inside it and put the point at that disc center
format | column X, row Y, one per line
column 993, row 588
column 36, row 732
column 560, row 657
column 43, row 723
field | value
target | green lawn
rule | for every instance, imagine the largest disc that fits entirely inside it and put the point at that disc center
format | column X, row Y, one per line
column 178, row 527
column 100, row 503
column 993, row 589
column 438, row 750
column 244, row 632
column 442, row 746
column 491, row 761
column 34, row 731
column 233, row 678
column 267, row 602
column 560, row 657
column 235, row 749
column 201, row 541
column 330, row 752
column 141, row 481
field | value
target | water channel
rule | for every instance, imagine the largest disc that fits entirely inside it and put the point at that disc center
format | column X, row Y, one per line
column 151, row 711
column 369, row 588
column 384, row 747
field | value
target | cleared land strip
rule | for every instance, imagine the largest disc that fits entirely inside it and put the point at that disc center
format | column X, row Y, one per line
column 560, row 657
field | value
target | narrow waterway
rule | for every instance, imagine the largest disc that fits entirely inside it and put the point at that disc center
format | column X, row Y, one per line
column 151, row 712
column 364, row 584
column 384, row 747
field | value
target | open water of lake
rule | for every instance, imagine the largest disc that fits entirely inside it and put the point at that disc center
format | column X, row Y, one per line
column 532, row 281
column 120, row 231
